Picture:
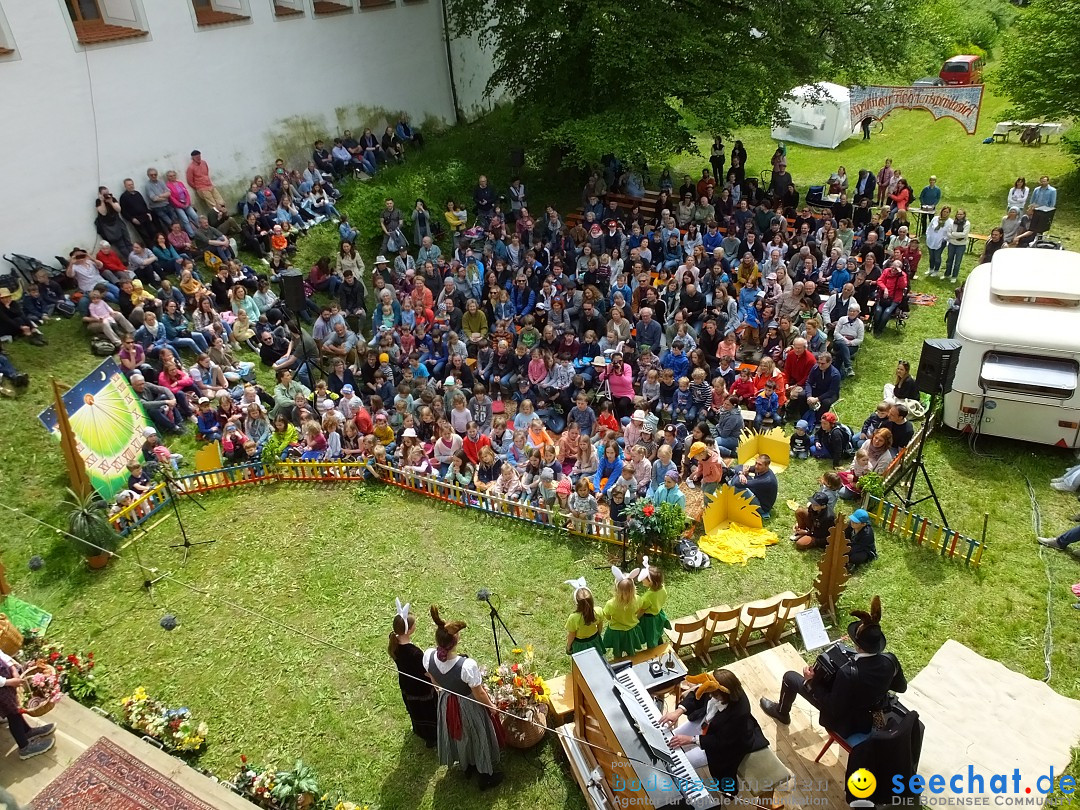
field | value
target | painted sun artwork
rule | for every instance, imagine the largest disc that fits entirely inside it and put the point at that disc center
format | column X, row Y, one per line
column 107, row 420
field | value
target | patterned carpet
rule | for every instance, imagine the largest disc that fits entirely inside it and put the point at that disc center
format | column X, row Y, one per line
column 106, row 777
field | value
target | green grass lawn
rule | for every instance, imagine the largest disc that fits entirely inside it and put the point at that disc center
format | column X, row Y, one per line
column 329, row 561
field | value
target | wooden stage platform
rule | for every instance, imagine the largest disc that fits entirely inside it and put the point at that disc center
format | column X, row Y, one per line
column 77, row 728
column 813, row 784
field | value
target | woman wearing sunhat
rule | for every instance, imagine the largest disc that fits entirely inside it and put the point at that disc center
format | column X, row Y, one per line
column 860, row 686
column 720, row 731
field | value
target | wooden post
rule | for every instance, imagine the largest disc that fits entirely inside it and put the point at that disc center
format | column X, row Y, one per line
column 832, row 569
column 80, row 481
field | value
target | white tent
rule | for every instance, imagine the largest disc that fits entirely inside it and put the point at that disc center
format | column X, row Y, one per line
column 820, row 115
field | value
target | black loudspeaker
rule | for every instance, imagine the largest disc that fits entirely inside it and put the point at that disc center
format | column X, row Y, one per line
column 292, row 290
column 517, row 158
column 937, row 365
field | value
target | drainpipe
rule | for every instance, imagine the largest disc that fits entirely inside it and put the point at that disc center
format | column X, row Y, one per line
column 450, row 63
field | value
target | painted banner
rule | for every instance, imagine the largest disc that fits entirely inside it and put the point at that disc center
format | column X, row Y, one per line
column 107, row 420
column 959, row 102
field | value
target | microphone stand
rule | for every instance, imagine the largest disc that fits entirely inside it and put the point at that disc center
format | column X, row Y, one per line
column 170, row 487
column 493, row 613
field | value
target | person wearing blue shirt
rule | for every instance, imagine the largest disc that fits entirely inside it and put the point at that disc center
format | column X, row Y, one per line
column 930, row 196
column 760, row 481
column 822, row 387
column 675, row 360
column 840, row 276
column 1044, row 195
column 669, row 492
column 609, row 469
column 522, row 297
column 346, row 231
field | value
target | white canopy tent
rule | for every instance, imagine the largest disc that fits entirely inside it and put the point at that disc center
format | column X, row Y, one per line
column 819, row 115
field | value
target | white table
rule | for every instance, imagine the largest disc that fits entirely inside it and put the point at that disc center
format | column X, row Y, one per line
column 1006, row 128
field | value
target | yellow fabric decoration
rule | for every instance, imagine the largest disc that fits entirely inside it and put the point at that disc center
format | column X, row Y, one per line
column 737, row 544
column 706, row 683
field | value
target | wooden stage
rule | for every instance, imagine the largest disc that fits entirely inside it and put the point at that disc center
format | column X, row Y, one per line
column 77, row 728
column 813, row 784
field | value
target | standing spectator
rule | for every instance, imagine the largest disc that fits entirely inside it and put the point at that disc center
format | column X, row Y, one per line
column 1018, row 195
column 937, row 234
column 390, row 221
column 484, row 197
column 930, row 196
column 135, row 210
column 198, row 178
column 957, row 239
column 108, row 223
column 1044, row 195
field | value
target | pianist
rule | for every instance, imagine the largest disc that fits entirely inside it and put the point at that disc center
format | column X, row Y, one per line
column 714, row 726
column 847, row 701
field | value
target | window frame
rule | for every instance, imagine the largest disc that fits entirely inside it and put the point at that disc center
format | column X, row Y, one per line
column 375, row 5
column 1057, row 365
column 342, row 7
column 228, row 16
column 9, row 51
column 117, row 32
column 294, row 9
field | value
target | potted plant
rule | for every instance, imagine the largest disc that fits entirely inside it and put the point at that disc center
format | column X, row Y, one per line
column 296, row 789
column 88, row 521
column 520, row 692
column 650, row 526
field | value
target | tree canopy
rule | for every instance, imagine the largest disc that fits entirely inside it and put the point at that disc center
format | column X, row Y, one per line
column 1040, row 72
column 638, row 78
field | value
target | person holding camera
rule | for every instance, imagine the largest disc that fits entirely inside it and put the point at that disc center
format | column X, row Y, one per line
column 859, row 687
column 109, row 223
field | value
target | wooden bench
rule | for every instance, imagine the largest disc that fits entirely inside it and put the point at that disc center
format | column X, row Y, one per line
column 975, row 237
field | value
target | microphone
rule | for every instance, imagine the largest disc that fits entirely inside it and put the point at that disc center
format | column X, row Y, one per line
column 483, row 595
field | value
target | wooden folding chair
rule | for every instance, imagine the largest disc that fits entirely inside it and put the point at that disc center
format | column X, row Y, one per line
column 757, row 617
column 790, row 606
column 689, row 632
column 722, row 621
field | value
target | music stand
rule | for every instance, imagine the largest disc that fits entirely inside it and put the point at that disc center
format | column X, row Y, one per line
column 484, row 595
column 172, row 490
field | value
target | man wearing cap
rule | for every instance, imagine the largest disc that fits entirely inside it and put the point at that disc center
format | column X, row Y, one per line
column 198, row 179
column 860, row 534
column 860, row 686
column 848, row 335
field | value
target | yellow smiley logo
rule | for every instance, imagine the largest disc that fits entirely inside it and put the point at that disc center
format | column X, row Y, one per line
column 861, row 783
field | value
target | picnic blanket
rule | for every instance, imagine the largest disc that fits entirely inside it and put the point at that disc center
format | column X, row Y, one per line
column 922, row 299
column 737, row 544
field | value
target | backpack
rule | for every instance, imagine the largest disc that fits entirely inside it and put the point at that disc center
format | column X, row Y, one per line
column 102, row 347
column 690, row 556
column 212, row 261
column 849, row 439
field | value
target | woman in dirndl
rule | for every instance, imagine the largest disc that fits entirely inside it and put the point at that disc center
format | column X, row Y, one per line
column 467, row 731
column 413, row 680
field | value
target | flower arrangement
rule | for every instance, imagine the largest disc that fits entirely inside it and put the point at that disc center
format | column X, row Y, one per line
column 42, row 689
column 256, row 783
column 649, row 525
column 173, row 728
column 295, row 789
column 515, row 687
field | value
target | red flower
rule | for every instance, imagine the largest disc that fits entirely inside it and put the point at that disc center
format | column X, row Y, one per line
column 53, row 656
column 514, row 668
column 648, row 510
column 243, row 759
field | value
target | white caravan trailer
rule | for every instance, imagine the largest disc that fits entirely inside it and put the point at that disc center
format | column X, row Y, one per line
column 1019, row 328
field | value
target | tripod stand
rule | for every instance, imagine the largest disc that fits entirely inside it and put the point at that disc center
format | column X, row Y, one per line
column 171, row 489
column 484, row 595
column 908, row 478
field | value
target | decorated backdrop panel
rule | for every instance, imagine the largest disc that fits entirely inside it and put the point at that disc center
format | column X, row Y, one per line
column 959, row 102
column 107, row 420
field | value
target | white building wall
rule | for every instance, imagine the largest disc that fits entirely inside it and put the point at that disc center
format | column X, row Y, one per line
column 78, row 117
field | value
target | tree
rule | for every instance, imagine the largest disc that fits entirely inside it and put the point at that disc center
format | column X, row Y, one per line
column 1039, row 71
column 639, row 78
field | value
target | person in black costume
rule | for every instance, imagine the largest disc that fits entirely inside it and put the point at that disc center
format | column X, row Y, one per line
column 859, row 688
column 416, row 688
column 719, row 730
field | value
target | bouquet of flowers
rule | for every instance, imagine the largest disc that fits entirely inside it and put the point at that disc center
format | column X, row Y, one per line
column 515, row 687
column 650, row 525
column 42, row 689
column 75, row 670
column 256, row 783
column 173, row 728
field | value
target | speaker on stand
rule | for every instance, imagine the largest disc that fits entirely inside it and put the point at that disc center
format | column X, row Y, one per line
column 292, row 292
column 937, row 368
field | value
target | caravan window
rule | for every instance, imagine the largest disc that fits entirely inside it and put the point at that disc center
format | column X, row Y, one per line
column 1027, row 374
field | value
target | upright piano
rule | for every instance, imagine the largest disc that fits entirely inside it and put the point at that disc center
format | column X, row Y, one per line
column 617, row 749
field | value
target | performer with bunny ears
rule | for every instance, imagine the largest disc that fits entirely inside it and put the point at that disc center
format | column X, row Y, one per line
column 651, row 605
column 413, row 680
column 585, row 624
column 623, row 635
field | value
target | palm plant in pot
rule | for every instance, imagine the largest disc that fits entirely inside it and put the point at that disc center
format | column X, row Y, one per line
column 88, row 521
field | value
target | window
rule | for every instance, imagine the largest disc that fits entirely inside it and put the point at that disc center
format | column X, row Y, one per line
column 219, row 12
column 7, row 44
column 377, row 3
column 1026, row 374
column 287, row 9
column 324, row 7
column 98, row 21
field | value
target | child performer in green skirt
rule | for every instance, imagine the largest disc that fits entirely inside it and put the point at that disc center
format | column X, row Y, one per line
column 584, row 626
column 651, row 614
column 623, row 635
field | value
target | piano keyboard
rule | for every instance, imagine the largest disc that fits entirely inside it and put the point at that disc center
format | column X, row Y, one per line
column 680, row 772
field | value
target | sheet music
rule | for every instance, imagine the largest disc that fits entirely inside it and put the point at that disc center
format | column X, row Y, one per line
column 812, row 629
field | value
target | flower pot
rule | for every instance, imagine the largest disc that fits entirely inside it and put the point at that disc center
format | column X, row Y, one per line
column 98, row 561
column 521, row 733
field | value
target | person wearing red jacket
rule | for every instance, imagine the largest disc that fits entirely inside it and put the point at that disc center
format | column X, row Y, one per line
column 892, row 288
column 474, row 442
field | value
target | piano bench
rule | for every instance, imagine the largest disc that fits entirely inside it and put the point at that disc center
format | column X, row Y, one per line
column 846, row 743
column 562, row 700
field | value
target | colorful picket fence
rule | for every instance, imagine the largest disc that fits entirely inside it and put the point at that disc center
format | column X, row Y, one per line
column 338, row 472
column 922, row 531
